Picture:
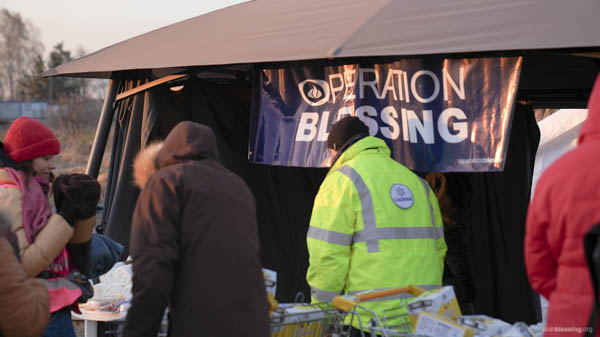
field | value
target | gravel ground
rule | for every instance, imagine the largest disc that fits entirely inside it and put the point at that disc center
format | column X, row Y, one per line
column 79, row 328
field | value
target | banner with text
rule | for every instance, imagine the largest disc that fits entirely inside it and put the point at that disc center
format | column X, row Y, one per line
column 443, row 115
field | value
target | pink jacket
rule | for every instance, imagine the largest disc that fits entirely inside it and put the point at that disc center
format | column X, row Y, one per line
column 48, row 243
column 565, row 206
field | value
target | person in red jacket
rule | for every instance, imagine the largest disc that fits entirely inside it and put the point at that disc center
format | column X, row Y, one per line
column 565, row 206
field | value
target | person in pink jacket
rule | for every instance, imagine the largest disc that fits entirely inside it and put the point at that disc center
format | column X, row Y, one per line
column 45, row 238
column 565, row 206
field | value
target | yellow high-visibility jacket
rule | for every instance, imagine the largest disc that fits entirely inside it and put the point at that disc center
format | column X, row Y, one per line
column 374, row 225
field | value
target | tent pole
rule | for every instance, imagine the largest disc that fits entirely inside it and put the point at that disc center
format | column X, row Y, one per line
column 102, row 131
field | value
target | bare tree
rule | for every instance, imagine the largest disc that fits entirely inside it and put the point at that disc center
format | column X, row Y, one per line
column 19, row 44
column 74, row 114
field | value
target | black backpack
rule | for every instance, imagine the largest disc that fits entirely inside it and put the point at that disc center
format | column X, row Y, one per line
column 591, row 245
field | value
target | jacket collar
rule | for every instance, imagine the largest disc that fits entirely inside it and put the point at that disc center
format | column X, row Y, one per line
column 144, row 164
column 366, row 144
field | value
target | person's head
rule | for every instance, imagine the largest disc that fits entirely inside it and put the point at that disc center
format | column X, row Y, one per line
column 343, row 131
column 30, row 143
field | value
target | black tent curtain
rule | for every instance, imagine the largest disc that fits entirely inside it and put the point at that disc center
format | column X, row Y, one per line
column 498, row 212
column 121, row 195
column 284, row 196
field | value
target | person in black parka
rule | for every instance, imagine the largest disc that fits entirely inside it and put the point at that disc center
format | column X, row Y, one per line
column 194, row 243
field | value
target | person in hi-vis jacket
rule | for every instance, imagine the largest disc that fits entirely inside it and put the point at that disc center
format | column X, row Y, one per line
column 374, row 224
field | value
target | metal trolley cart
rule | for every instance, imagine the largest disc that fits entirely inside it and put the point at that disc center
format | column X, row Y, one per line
column 394, row 322
column 302, row 320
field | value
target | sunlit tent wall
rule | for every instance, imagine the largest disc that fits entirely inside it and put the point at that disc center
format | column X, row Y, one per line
column 221, row 52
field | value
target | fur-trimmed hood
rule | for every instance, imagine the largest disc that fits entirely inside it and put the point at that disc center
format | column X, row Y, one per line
column 187, row 141
column 144, row 164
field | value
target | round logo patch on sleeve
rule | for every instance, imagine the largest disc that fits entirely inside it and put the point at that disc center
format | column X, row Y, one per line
column 402, row 196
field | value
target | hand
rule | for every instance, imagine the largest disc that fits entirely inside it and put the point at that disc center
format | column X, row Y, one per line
column 76, row 196
column 87, row 290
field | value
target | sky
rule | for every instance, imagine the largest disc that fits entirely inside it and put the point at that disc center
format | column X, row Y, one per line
column 93, row 25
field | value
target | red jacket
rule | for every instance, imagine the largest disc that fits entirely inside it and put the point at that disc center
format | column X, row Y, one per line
column 565, row 206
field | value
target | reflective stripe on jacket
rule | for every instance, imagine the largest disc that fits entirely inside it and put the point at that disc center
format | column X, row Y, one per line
column 374, row 225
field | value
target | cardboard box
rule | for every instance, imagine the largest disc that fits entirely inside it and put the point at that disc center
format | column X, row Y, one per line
column 441, row 301
column 484, row 325
column 429, row 324
column 270, row 277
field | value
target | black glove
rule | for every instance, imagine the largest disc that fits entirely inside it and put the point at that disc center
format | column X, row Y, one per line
column 87, row 290
column 79, row 254
column 76, row 196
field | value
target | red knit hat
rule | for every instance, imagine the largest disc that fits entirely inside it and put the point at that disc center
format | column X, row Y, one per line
column 28, row 138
